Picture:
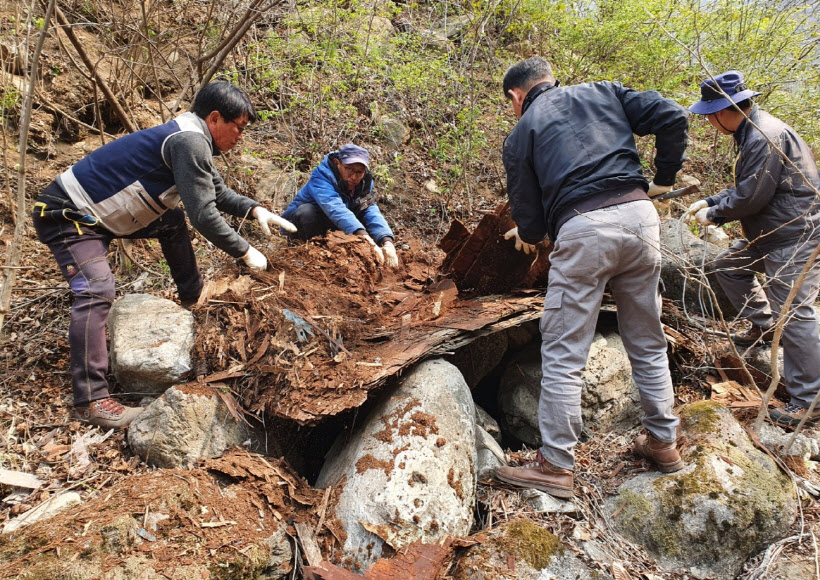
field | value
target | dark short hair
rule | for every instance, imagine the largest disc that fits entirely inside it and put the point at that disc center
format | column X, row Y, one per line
column 228, row 100
column 526, row 73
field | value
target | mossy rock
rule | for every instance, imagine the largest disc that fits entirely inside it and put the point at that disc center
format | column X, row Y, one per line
column 521, row 549
column 710, row 517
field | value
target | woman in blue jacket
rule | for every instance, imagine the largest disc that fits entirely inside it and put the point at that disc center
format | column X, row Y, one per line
column 340, row 196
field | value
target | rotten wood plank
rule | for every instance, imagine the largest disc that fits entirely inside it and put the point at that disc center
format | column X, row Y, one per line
column 310, row 548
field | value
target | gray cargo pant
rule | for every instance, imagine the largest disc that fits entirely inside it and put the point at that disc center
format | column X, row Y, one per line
column 618, row 245
column 736, row 268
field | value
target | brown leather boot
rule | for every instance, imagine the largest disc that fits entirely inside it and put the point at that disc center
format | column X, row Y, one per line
column 664, row 455
column 540, row 474
column 107, row 413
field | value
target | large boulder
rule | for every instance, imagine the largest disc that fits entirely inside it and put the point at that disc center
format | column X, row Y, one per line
column 188, row 423
column 709, row 518
column 151, row 342
column 408, row 474
column 522, row 550
column 684, row 255
column 609, row 398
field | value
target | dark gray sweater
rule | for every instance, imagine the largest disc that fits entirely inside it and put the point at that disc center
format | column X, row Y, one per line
column 203, row 191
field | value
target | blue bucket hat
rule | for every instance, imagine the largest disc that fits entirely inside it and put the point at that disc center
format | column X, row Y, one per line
column 712, row 100
column 350, row 154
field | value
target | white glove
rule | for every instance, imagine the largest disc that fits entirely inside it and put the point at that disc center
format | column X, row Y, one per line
column 655, row 190
column 520, row 244
column 254, row 259
column 391, row 260
column 702, row 217
column 695, row 208
column 266, row 218
column 376, row 249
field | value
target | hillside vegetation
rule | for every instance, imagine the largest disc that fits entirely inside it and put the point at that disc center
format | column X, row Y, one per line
column 417, row 82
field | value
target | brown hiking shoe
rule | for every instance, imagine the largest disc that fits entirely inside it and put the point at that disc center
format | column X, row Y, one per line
column 664, row 455
column 752, row 335
column 540, row 474
column 791, row 415
column 107, row 413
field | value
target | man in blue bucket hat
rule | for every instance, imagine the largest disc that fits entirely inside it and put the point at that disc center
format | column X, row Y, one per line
column 774, row 195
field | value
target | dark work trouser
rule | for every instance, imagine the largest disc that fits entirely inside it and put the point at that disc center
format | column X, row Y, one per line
column 81, row 255
column 761, row 304
column 310, row 222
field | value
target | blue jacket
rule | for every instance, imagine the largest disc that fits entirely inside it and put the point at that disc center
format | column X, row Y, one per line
column 577, row 141
column 348, row 212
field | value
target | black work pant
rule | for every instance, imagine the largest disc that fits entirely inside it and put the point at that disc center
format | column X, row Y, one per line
column 81, row 252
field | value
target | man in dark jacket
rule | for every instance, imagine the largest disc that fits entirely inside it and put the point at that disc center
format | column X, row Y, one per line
column 340, row 195
column 574, row 175
column 776, row 202
column 130, row 188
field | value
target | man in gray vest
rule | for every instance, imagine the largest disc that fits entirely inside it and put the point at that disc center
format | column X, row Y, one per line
column 574, row 175
column 131, row 188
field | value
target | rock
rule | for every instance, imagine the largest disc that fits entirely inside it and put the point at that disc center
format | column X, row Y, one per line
column 484, row 420
column 609, row 398
column 436, row 40
column 188, row 423
column 489, row 455
column 522, row 335
column 408, row 473
column 776, row 439
column 151, row 342
column 477, row 359
column 795, row 567
column 684, row 252
column 392, row 131
column 453, row 27
column 544, row 503
column 41, row 132
column 710, row 517
column 521, row 550
column 49, row 508
column 276, row 188
column 760, row 358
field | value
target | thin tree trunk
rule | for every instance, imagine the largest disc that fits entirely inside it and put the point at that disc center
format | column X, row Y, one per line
column 15, row 250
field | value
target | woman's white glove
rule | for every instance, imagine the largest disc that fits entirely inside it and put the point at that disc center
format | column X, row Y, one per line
column 694, row 209
column 520, row 244
column 655, row 189
column 376, row 249
column 254, row 259
column 265, row 218
column 702, row 217
column 391, row 259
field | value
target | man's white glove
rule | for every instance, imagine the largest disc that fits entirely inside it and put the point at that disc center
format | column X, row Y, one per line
column 266, row 218
column 695, row 208
column 520, row 244
column 655, row 190
column 254, row 259
column 391, row 259
column 702, row 217
column 376, row 249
